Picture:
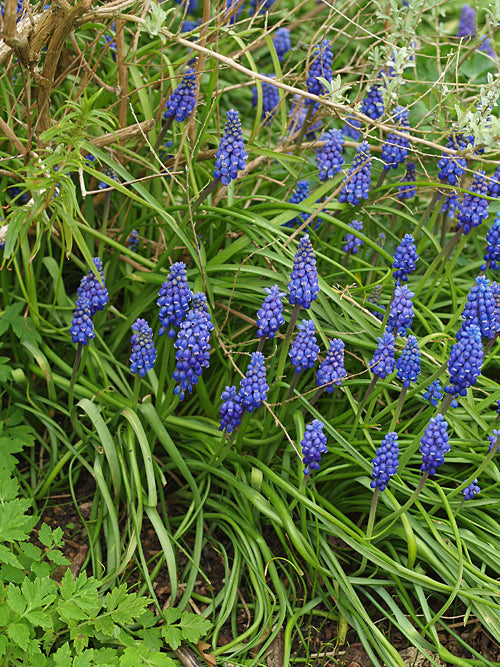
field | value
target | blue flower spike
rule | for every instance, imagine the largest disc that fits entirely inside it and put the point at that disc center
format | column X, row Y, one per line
column 231, row 155
column 321, row 67
column 304, row 349
column 434, row 444
column 493, row 438
column 143, row 354
column 254, row 387
column 357, row 183
column 434, row 393
column 408, row 191
column 82, row 327
column 93, row 289
column 352, row 243
column 270, row 100
column 350, row 129
column 182, row 101
column 405, row 259
column 331, row 371
column 282, row 43
column 313, row 446
column 384, row 358
column 373, row 103
column 270, row 315
column 452, row 165
column 329, row 158
column 473, row 209
column 471, row 490
column 231, row 410
column 395, row 147
column 300, row 193
column 386, row 461
column 304, row 286
column 133, row 240
column 492, row 254
column 480, row 309
column 234, row 9
column 467, row 23
column 173, row 299
column 464, row 364
column 408, row 364
column 401, row 310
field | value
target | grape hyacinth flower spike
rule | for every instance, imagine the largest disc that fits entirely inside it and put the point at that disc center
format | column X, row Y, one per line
column 231, row 410
column 467, row 23
column 321, row 67
column 173, row 299
column 93, row 289
column 329, row 158
column 473, row 209
column 352, row 243
column 143, row 354
column 434, row 445
column 492, row 254
column 401, row 310
column 313, row 446
column 452, row 165
column 357, row 183
column 408, row 191
column 270, row 100
column 231, row 155
column 133, row 240
column 180, row 104
column 254, row 387
column 373, row 103
column 386, row 461
column 464, row 364
column 384, row 358
column 395, row 147
column 82, row 327
column 303, row 351
column 350, row 129
column 480, row 309
column 262, row 6
column 433, row 393
column 300, row 193
column 494, row 184
column 234, row 9
column 282, row 43
column 331, row 370
column 408, row 364
column 471, row 490
column 270, row 315
column 303, row 286
column 405, row 259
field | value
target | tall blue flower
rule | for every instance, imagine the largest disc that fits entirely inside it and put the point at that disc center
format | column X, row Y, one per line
column 82, row 327
column 384, row 359
column 313, row 446
column 408, row 364
column 321, row 67
column 434, row 444
column 231, row 154
column 331, row 370
column 234, row 9
column 408, row 191
column 405, row 258
column 300, row 193
column 350, row 129
column 231, row 410
column 464, row 364
column 357, row 183
column 472, row 210
column 452, row 165
column 254, row 387
column 329, row 157
column 386, row 461
column 471, row 490
column 401, row 311
column 492, row 254
column 373, row 103
column 434, row 393
column 192, row 345
column 182, row 101
column 270, row 315
column 270, row 100
column 304, row 285
column 304, row 349
column 480, row 309
column 352, row 243
column 174, row 297
column 282, row 43
column 467, row 23
column 395, row 147
column 143, row 354
column 92, row 289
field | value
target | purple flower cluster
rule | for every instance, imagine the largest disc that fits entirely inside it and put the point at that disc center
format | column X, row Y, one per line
column 464, row 364
column 282, row 43
column 434, row 444
column 253, row 387
column 408, row 191
column 350, row 130
column 395, row 147
column 467, row 23
column 82, row 327
column 143, row 354
column 304, row 349
column 351, row 242
column 304, row 285
column 231, row 154
column 94, row 290
column 231, row 410
column 313, row 446
column 329, row 157
column 181, row 102
column 408, row 364
column 473, row 209
column 321, row 67
column 331, row 370
column 174, row 297
column 494, row 184
column 405, row 259
column 260, row 6
column 480, row 309
column 471, row 490
column 451, row 165
column 434, row 393
column 401, row 310
column 386, row 461
column 270, row 315
column 270, row 100
column 300, row 193
column 357, row 183
column 493, row 437
column 384, row 360
column 373, row 103
column 133, row 240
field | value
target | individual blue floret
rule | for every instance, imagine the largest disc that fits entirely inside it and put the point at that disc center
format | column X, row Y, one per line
column 304, row 349
column 480, row 309
column 270, row 315
column 434, row 393
column 182, row 101
column 234, row 9
column 408, row 191
column 408, row 364
column 351, row 242
column 395, row 147
column 143, row 354
column 282, row 43
column 386, row 461
column 373, row 103
column 173, row 299
column 133, row 240
column 304, row 285
column 471, row 490
column 321, row 67
column 434, row 444
column 231, row 410
column 492, row 254
column 357, row 183
column 331, row 370
column 401, row 310
column 253, row 387
column 467, row 23
column 192, row 345
column 300, row 193
column 493, row 438
column 313, row 446
column 350, row 129
column 231, row 155
column 270, row 100
column 82, row 327
column 464, row 364
column 405, row 258
column 92, row 289
column 472, row 210
column 329, row 157
column 384, row 359
column 452, row 165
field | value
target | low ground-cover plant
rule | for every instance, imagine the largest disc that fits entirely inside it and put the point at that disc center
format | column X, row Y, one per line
column 249, row 290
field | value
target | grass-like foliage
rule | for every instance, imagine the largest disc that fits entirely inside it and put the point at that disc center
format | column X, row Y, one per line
column 248, row 295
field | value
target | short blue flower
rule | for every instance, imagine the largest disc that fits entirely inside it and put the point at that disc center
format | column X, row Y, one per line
column 182, row 101
column 408, row 364
column 231, row 410
column 373, row 103
column 143, row 354
column 321, row 67
column 434, row 393
column 401, row 310
column 472, row 210
column 434, row 444
column 405, row 259
column 231, row 155
column 408, row 191
column 451, row 165
column 270, row 315
column 270, row 100
column 300, row 193
column 173, row 299
column 304, row 285
column 92, row 289
column 357, row 183
column 254, row 387
column 304, row 349
column 133, row 240
column 331, row 370
column 480, row 309
column 395, row 147
column 467, row 23
column 386, row 461
column 350, row 129
column 329, row 157
column 313, row 446
column 282, row 43
column 471, row 490
column 82, row 327
column 352, row 243
column 464, row 364
column 384, row 359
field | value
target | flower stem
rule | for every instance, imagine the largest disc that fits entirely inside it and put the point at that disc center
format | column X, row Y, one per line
column 399, row 406
column 369, row 529
column 445, row 405
column 135, row 395
column 382, row 526
column 204, row 194
column 76, row 365
column 163, row 372
column 292, row 386
column 166, row 126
